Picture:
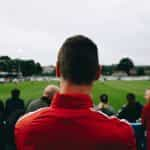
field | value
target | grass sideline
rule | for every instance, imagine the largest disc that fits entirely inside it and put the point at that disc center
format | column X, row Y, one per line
column 116, row 90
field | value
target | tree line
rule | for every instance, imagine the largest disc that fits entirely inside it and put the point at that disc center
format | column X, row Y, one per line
column 26, row 67
column 30, row 67
column 126, row 65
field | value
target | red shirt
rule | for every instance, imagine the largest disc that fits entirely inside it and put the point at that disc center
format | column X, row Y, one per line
column 71, row 124
column 146, row 123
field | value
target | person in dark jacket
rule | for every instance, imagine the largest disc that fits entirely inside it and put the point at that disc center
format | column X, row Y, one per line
column 14, row 103
column 132, row 110
column 45, row 100
column 2, row 134
column 14, row 109
column 1, row 111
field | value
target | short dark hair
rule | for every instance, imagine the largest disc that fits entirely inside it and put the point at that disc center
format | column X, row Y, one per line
column 15, row 92
column 78, row 60
column 131, row 97
column 104, row 98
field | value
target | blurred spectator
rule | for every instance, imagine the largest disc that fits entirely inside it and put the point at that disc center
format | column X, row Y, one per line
column 104, row 106
column 1, row 111
column 132, row 110
column 45, row 100
column 146, row 117
column 14, row 109
column 2, row 139
column 140, row 135
column 2, row 134
column 14, row 103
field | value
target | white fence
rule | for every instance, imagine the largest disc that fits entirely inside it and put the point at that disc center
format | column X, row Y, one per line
column 103, row 78
column 125, row 78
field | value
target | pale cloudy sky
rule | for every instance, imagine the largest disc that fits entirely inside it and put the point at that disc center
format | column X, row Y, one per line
column 36, row 28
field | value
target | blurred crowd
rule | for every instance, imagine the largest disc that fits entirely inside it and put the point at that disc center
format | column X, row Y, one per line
column 15, row 108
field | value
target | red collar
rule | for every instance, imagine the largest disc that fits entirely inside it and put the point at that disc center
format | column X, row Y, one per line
column 71, row 101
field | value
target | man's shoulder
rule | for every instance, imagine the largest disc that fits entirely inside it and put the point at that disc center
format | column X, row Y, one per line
column 8, row 100
column 115, row 126
column 21, row 100
column 124, row 107
column 119, row 130
column 34, row 102
column 138, row 104
column 28, row 118
column 147, row 106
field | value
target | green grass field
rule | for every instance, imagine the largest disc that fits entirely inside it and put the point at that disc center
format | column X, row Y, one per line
column 116, row 90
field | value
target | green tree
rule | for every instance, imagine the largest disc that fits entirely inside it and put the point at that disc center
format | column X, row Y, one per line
column 3, row 66
column 107, row 70
column 26, row 67
column 125, row 64
column 5, row 58
column 38, row 69
column 140, row 71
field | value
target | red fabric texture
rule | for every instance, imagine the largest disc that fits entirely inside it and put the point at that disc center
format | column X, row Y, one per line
column 146, row 123
column 71, row 124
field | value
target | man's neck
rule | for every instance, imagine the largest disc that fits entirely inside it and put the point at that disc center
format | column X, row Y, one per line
column 67, row 87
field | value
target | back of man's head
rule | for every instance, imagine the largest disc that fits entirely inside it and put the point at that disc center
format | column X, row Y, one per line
column 131, row 98
column 50, row 91
column 104, row 98
column 78, row 60
column 15, row 93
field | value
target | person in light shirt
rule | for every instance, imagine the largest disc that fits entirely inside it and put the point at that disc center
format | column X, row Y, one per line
column 104, row 106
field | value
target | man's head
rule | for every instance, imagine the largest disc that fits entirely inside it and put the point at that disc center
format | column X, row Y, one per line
column 147, row 95
column 78, row 61
column 104, row 98
column 50, row 91
column 15, row 93
column 131, row 98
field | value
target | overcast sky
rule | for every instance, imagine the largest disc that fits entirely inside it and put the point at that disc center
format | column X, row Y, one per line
column 36, row 28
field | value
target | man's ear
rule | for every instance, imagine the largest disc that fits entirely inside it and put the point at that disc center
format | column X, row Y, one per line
column 57, row 70
column 99, row 71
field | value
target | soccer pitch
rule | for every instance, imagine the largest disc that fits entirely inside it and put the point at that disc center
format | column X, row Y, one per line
column 116, row 90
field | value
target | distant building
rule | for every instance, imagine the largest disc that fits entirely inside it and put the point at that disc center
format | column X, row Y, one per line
column 133, row 72
column 147, row 70
column 48, row 69
column 8, row 74
column 120, row 74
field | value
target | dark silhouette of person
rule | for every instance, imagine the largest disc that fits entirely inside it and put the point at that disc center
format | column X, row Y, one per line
column 132, row 110
column 2, row 134
column 14, row 109
column 14, row 103
column 1, row 111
